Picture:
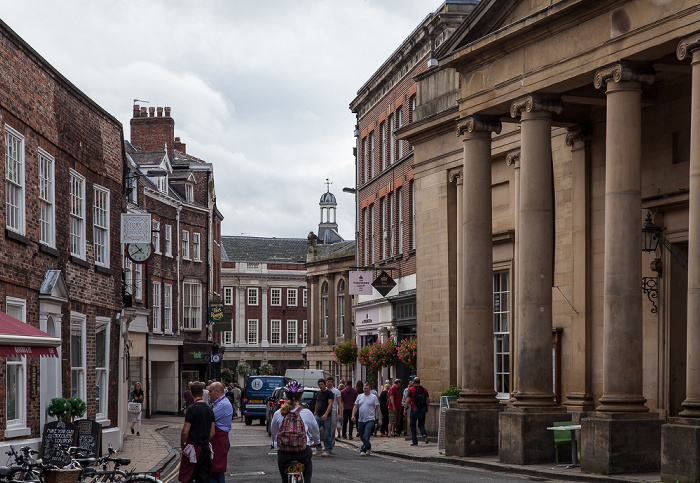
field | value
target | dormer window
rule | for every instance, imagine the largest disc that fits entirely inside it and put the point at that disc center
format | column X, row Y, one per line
column 189, row 192
column 162, row 184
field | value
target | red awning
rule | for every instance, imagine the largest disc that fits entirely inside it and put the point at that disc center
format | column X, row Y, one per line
column 20, row 339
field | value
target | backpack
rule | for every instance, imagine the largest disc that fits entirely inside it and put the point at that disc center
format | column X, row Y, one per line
column 419, row 397
column 291, row 435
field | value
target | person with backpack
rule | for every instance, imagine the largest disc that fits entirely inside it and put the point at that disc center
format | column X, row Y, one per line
column 419, row 402
column 294, row 431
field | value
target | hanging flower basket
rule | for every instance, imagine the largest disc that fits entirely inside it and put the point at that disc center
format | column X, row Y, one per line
column 407, row 351
column 243, row 369
column 266, row 370
column 346, row 352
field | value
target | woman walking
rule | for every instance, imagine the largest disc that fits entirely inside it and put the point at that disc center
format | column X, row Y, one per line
column 384, row 408
column 283, row 420
column 136, row 395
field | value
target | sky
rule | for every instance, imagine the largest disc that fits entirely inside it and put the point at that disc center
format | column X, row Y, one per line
column 260, row 89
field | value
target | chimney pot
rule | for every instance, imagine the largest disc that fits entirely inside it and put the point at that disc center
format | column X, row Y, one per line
column 143, row 112
column 160, row 111
column 137, row 111
column 167, row 111
column 151, row 111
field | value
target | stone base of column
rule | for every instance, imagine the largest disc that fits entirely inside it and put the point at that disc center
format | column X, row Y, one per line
column 523, row 435
column 621, row 443
column 680, row 450
column 472, row 431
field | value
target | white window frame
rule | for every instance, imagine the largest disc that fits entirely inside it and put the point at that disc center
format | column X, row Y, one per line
column 392, row 140
column 382, row 147
column 102, row 324
column 228, row 295
column 155, row 236
column 382, row 228
column 128, row 275
column 275, row 332
column 370, row 143
column 196, row 246
column 304, row 332
column 305, row 297
column 132, row 184
column 192, row 305
column 252, row 332
column 47, row 197
column 168, row 240
column 15, row 206
column 227, row 337
column 340, row 290
column 138, row 281
column 155, row 307
column 371, row 233
column 390, row 236
column 17, row 426
column 501, row 333
column 365, row 154
column 276, row 297
column 365, row 222
column 168, row 308
column 413, row 215
column 100, row 225
column 185, row 245
column 77, row 215
column 252, row 296
column 399, row 197
column 399, row 120
column 292, row 332
column 77, row 327
column 292, row 298
column 189, row 192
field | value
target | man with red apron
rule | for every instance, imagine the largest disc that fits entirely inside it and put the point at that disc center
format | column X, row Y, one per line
column 223, row 414
column 196, row 433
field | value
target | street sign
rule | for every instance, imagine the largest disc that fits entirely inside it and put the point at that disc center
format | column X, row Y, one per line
column 216, row 358
column 361, row 282
column 216, row 311
column 384, row 283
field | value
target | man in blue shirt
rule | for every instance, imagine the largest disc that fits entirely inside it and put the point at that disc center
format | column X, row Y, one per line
column 223, row 413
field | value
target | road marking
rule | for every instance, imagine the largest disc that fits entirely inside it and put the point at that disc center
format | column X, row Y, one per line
column 250, row 473
column 171, row 476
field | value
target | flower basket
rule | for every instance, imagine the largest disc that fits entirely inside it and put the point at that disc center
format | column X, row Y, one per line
column 266, row 370
column 346, row 352
column 407, row 351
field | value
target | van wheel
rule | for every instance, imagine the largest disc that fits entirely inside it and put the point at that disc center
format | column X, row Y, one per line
column 262, row 422
column 248, row 420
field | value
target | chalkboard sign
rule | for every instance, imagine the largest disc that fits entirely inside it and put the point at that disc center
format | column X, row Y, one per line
column 89, row 438
column 57, row 433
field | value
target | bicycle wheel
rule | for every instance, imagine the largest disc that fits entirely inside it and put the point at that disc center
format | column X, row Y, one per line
column 142, row 479
column 24, row 475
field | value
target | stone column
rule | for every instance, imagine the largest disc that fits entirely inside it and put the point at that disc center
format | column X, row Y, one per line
column 241, row 332
column 458, row 178
column 473, row 428
column 513, row 159
column 524, row 438
column 264, row 342
column 680, row 458
column 622, row 411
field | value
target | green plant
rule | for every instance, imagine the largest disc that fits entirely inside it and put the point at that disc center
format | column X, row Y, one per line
column 243, row 368
column 452, row 391
column 346, row 352
column 66, row 408
column 226, row 376
column 407, row 351
column 266, row 370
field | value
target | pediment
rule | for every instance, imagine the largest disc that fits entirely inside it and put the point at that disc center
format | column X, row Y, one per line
column 54, row 285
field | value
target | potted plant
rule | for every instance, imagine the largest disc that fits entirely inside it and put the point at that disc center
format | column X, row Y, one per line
column 66, row 409
column 452, row 393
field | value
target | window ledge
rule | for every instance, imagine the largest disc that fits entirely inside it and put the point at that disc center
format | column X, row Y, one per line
column 48, row 249
column 105, row 270
column 185, row 329
column 79, row 261
column 12, row 235
column 17, row 432
column 104, row 422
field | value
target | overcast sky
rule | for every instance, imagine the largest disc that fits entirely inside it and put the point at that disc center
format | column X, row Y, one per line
column 260, row 89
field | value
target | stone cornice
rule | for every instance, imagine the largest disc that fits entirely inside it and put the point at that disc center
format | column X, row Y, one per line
column 513, row 158
column 535, row 103
column 622, row 72
column 688, row 45
column 478, row 123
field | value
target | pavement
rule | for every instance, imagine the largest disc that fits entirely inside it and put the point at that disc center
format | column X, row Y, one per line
column 151, row 451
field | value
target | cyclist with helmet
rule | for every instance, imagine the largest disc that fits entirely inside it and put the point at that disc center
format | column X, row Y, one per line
column 294, row 391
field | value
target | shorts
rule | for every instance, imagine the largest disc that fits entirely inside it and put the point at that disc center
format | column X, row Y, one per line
column 393, row 416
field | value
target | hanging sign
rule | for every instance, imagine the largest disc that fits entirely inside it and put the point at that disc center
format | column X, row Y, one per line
column 384, row 283
column 361, row 282
column 136, row 228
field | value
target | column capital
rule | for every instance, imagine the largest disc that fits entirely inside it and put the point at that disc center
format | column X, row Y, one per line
column 534, row 102
column 622, row 72
column 457, row 176
column 513, row 158
column 688, row 45
column 576, row 133
column 478, row 123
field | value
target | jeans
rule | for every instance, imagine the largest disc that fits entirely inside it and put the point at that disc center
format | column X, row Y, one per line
column 417, row 416
column 384, row 428
column 217, row 477
column 328, row 430
column 347, row 418
column 365, row 429
column 284, row 457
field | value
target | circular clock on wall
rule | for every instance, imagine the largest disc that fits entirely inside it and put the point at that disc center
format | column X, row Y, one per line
column 140, row 252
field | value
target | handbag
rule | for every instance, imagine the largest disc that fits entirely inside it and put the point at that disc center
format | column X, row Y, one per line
column 134, row 407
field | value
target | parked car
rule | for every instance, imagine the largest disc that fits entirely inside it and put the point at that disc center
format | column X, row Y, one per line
column 274, row 402
column 257, row 390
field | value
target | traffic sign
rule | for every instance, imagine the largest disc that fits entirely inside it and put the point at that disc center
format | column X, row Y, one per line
column 384, row 283
column 216, row 358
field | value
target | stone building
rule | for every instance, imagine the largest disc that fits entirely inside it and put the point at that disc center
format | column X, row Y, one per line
column 385, row 181
column 574, row 120
column 328, row 263
column 60, row 261
column 170, row 338
column 265, row 303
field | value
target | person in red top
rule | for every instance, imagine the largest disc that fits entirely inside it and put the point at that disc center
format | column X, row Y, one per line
column 419, row 402
column 349, row 395
column 394, row 407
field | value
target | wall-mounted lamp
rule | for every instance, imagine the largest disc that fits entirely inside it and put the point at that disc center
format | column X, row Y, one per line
column 652, row 235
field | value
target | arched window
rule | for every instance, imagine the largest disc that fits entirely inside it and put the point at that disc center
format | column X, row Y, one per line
column 324, row 307
column 341, row 307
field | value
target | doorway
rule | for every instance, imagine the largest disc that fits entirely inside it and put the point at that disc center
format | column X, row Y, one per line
column 677, row 334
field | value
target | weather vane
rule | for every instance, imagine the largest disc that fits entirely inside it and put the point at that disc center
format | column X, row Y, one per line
column 328, row 185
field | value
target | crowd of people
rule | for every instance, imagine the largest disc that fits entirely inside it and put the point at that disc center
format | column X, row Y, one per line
column 296, row 431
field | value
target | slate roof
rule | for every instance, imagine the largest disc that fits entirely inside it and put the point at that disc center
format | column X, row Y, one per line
column 336, row 250
column 141, row 157
column 258, row 249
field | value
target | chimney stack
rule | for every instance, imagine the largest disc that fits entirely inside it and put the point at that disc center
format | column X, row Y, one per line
column 152, row 133
column 160, row 112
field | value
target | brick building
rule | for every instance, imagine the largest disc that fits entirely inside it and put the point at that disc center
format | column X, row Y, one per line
column 385, row 179
column 60, row 261
column 169, row 335
column 265, row 303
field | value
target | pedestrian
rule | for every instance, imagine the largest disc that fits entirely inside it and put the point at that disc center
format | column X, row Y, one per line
column 198, row 429
column 324, row 406
column 341, row 409
column 223, row 413
column 285, row 429
column 187, row 396
column 419, row 401
column 384, row 409
column 359, row 388
column 348, row 395
column 395, row 407
column 337, row 404
column 205, row 394
column 363, row 412
column 404, row 420
column 237, row 400
column 136, row 395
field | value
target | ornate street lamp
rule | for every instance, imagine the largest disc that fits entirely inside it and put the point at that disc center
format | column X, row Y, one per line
column 650, row 234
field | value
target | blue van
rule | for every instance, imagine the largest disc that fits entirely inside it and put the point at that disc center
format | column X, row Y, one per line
column 254, row 399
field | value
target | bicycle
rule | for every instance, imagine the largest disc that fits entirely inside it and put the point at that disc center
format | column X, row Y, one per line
column 115, row 475
column 295, row 472
column 24, row 467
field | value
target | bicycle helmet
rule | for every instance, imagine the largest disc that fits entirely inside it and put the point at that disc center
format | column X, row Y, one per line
column 294, row 390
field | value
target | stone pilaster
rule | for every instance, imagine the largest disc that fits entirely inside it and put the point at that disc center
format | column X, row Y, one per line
column 680, row 439
column 458, row 179
column 513, row 159
column 622, row 436
column 523, row 435
column 264, row 342
column 474, row 423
